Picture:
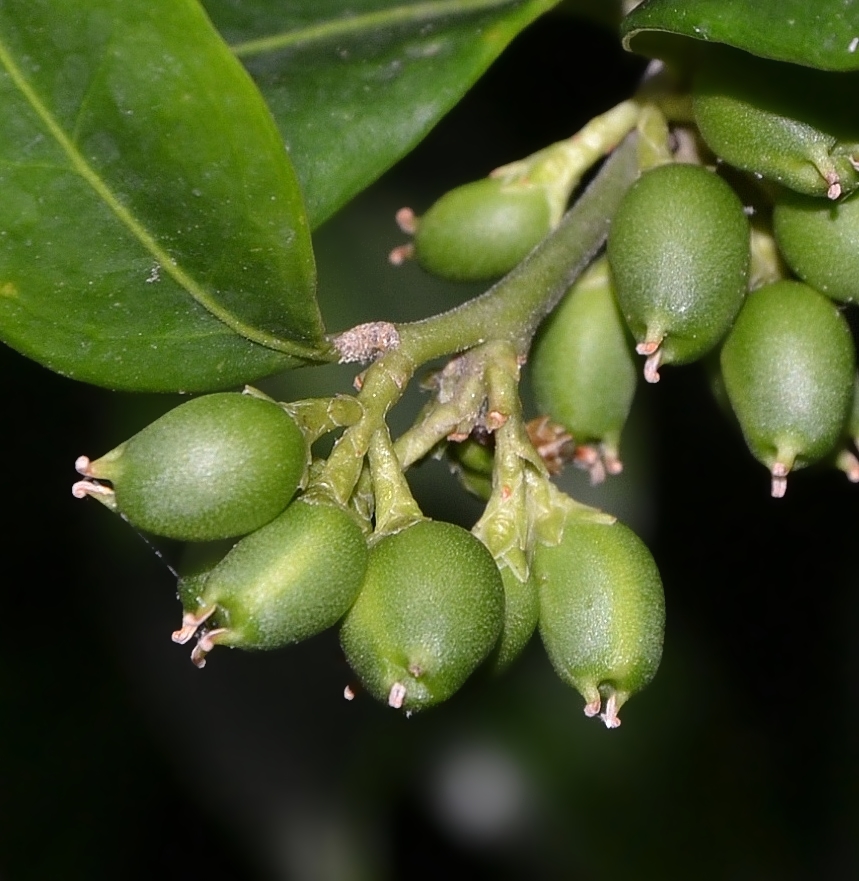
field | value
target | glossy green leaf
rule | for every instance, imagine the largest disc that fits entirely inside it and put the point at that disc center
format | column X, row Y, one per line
column 816, row 33
column 355, row 85
column 152, row 234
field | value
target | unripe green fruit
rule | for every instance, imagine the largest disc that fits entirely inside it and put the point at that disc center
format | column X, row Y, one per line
column 474, row 455
column 195, row 566
column 713, row 371
column 602, row 613
column 218, row 466
column 472, row 462
column 582, row 367
column 429, row 612
column 679, row 253
column 482, row 230
column 521, row 612
column 788, row 123
column 820, row 242
column 788, row 366
column 287, row 581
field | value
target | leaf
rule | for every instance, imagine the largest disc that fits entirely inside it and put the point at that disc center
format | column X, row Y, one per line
column 815, row 33
column 152, row 234
column 354, row 86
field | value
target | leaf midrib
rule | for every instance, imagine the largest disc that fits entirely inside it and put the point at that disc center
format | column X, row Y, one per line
column 81, row 167
column 368, row 21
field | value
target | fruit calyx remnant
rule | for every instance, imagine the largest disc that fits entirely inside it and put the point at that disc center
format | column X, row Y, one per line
column 190, row 623
column 397, row 695
column 556, row 447
column 193, row 624
column 205, row 643
column 779, row 473
column 652, row 350
column 83, row 488
column 612, row 705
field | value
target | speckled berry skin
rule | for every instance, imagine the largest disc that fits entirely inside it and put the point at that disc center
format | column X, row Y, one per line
column 602, row 612
column 582, row 366
column 214, row 467
column 819, row 240
column 521, row 613
column 777, row 120
column 429, row 612
column 287, row 581
column 679, row 254
column 195, row 566
column 788, row 367
column 481, row 230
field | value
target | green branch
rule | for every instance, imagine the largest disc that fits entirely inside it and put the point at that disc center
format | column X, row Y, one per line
column 509, row 312
column 513, row 309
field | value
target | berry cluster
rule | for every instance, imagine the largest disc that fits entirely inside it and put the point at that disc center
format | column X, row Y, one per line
column 683, row 257
column 273, row 558
column 737, row 242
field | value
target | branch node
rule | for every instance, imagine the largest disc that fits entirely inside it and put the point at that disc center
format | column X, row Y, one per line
column 366, row 342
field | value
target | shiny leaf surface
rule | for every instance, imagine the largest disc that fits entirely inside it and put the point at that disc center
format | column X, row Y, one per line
column 822, row 34
column 152, row 235
column 354, row 86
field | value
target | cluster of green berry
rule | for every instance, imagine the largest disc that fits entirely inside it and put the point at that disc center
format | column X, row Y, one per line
column 275, row 559
column 683, row 257
column 223, row 466
column 285, row 544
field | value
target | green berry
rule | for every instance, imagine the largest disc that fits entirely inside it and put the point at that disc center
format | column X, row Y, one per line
column 429, row 613
column 195, row 566
column 289, row 580
column 602, row 613
column 521, row 612
column 679, row 253
column 781, row 121
column 716, row 381
column 582, row 368
column 820, row 242
column 218, row 466
column 482, row 230
column 472, row 461
column 788, row 366
column 474, row 455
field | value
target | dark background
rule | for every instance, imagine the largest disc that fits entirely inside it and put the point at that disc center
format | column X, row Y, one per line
column 118, row 759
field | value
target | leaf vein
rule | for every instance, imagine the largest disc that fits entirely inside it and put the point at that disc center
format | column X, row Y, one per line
column 81, row 167
column 369, row 21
